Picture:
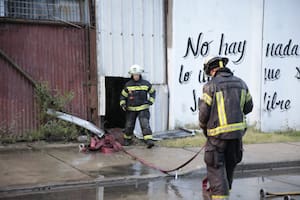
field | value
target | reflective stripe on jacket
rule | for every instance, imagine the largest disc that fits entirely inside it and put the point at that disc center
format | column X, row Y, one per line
column 135, row 95
column 223, row 106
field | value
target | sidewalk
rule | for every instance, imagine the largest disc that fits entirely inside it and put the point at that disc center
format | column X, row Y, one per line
column 29, row 168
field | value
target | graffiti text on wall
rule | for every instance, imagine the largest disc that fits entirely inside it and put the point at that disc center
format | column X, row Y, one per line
column 272, row 74
column 185, row 76
column 298, row 73
column 202, row 48
column 234, row 48
column 237, row 49
column 281, row 50
column 271, row 101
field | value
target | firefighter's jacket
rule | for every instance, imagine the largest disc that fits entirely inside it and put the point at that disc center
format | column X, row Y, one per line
column 135, row 95
column 225, row 102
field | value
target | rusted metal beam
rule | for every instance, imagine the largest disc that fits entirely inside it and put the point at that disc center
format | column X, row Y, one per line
column 18, row 68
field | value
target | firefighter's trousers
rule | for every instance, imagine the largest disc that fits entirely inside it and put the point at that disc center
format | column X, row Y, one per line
column 143, row 116
column 221, row 158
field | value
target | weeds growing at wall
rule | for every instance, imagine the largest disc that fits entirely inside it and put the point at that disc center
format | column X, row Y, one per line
column 50, row 99
column 50, row 128
column 53, row 129
column 7, row 132
column 252, row 136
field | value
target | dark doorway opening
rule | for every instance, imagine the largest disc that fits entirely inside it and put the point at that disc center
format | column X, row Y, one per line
column 114, row 115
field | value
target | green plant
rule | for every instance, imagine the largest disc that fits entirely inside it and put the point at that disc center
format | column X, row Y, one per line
column 8, row 131
column 252, row 136
column 34, row 135
column 52, row 129
column 50, row 99
column 58, row 130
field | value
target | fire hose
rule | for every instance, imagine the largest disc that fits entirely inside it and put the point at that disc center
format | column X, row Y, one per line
column 165, row 171
column 108, row 144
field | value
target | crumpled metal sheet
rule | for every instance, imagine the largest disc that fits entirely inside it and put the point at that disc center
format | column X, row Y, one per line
column 78, row 121
column 173, row 134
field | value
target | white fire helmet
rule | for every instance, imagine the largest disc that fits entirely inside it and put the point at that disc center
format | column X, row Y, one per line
column 136, row 69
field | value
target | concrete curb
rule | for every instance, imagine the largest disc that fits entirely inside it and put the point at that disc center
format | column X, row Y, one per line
column 245, row 169
column 35, row 146
column 71, row 185
column 270, row 165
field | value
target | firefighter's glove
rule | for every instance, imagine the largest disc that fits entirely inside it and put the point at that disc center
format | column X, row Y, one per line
column 150, row 103
column 123, row 106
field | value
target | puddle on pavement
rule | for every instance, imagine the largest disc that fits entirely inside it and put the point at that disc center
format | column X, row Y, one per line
column 134, row 169
column 185, row 187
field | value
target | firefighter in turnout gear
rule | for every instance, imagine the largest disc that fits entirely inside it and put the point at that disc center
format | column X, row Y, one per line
column 136, row 98
column 222, row 109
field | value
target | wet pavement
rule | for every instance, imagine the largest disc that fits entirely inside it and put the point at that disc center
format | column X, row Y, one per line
column 31, row 171
column 185, row 187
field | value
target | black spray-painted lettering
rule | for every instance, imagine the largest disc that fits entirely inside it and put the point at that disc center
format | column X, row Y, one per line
column 281, row 50
column 271, row 103
column 234, row 48
column 272, row 74
column 202, row 77
column 298, row 73
column 184, row 78
column 194, row 108
column 201, row 48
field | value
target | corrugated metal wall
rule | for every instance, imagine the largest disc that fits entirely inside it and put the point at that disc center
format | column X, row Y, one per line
column 131, row 32
column 16, row 101
column 49, row 53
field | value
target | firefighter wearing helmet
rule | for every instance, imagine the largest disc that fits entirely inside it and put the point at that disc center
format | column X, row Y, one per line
column 222, row 109
column 135, row 99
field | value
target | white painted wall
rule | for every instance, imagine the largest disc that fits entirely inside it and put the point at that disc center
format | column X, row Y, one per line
column 219, row 23
column 131, row 32
column 281, row 29
column 252, row 24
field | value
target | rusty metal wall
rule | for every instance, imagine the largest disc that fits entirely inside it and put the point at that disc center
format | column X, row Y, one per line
column 49, row 53
column 17, row 111
column 93, row 93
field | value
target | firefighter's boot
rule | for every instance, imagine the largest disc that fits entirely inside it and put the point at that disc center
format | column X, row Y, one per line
column 220, row 198
column 206, row 192
column 127, row 142
column 206, row 195
column 149, row 143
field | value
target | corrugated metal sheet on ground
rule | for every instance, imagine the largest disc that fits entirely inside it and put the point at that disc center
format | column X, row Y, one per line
column 131, row 32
